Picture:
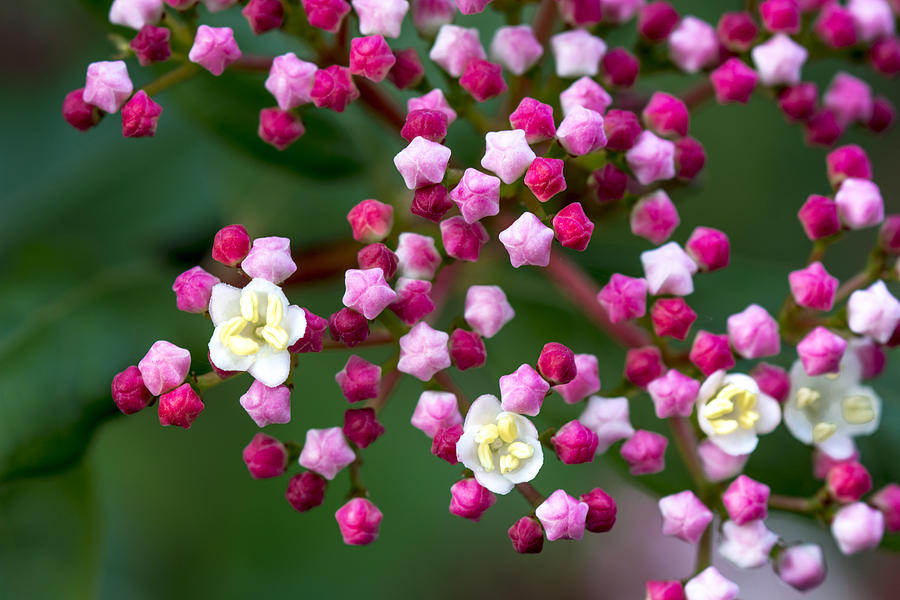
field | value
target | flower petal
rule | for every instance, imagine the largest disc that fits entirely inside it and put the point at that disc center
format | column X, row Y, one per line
column 528, row 468
column 494, row 481
column 769, row 413
column 224, row 303
column 295, row 323
column 740, row 441
column 484, row 410
column 839, row 446
column 271, row 368
column 797, row 422
column 225, row 359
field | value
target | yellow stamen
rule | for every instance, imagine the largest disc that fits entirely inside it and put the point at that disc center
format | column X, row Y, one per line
column 231, row 327
column 807, row 397
column 823, row 431
column 250, row 306
column 748, row 419
column 724, row 426
column 242, row 346
column 520, row 450
column 485, row 457
column 508, row 463
column 274, row 336
column 487, row 434
column 506, row 428
column 274, row 311
column 832, row 376
column 746, row 401
column 858, row 410
column 717, row 407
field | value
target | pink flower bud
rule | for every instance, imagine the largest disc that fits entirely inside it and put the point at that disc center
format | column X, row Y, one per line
column 819, row 217
column 873, row 312
column 887, row 500
column 672, row 317
column 580, row 12
column 326, row 452
column 622, row 129
column 666, row 115
column 371, row 220
column 577, row 53
column 798, row 102
column 523, row 391
column 859, row 203
column 654, row 217
column 608, row 183
column 129, row 392
column 135, row 13
column 462, row 240
column 527, row 241
column 587, row 93
column 736, row 31
column 651, row 158
column 151, row 45
column 608, row 418
column 270, row 258
column 140, row 116
column 193, row 289
column 431, row 202
column 572, row 227
column 835, row 26
column 545, row 178
column 709, row 248
column 469, row 500
column 487, row 309
column 645, row 452
column 643, row 365
column 315, row 331
column 746, row 500
column 601, row 515
column 821, row 351
column 279, row 128
column 454, row 47
column 443, row 445
column 407, row 71
column 822, row 462
column 693, row 45
column 823, row 129
column 359, row 379
column 417, row 258
column 848, row 481
column 516, row 48
column 556, row 363
column 413, row 300
column 507, row 154
column 620, row 11
column 467, row 349
column 265, row 457
column 371, row 57
column 433, row 100
column 333, row 88
column 884, row 56
column 429, row 124
column 384, row 17
column 535, row 119
column 710, row 352
column 581, row 132
column 164, row 367
column 348, row 327
column 710, row 585
column 267, row 405
column 231, row 245
column 883, row 115
column 574, row 443
column 526, row 536
column 108, row 85
column 358, row 520
column 657, row 20
column 78, row 113
column 668, row 270
column 291, row 80
column 849, row 98
column 871, row 356
column 306, row 491
column 754, row 333
column 747, row 546
column 471, row 7
column 214, row 49
column 848, row 161
column 802, row 566
column 562, row 516
column 422, row 163
column 673, row 394
column 367, row 292
column 873, row 18
column 326, row 14
column 889, row 236
column 772, row 381
column 264, row 15
column 361, row 426
column 423, row 352
column 684, row 516
column 813, row 287
column 779, row 60
column 623, row 298
column 586, row 382
column 621, row 67
column 664, row 590
column 733, row 81
column 690, row 158
column 717, row 465
column 429, row 15
column 857, row 527
column 780, row 16
column 180, row 407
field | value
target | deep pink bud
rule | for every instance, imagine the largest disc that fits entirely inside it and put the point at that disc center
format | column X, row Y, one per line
column 193, row 289
column 657, row 20
column 151, row 45
column 483, row 79
column 580, row 12
column 780, row 16
column 601, row 514
column 348, row 327
column 754, row 333
column 265, row 457
column 429, row 124
column 527, row 536
column 371, row 220
column 556, row 364
column 819, row 217
column 871, row 357
column 443, row 445
column 746, row 500
column 835, row 26
column 467, row 349
column 665, row 590
column 306, row 491
column 78, row 113
column 733, row 81
column 643, row 365
column 885, row 56
column 813, row 287
column 654, row 217
column 535, row 119
column 129, row 392
column 848, row 161
column 371, row 57
column 772, row 380
column 264, row 15
column 545, row 178
column 325, row 14
column 469, row 500
column 802, row 566
column 709, row 248
column 378, row 256
column 621, row 67
column 279, row 128
column 359, row 379
column 333, row 88
column 622, row 129
column 413, row 300
column 666, row 115
column 407, row 71
column 889, row 235
column 312, row 339
column 361, row 426
column 180, row 407
column 231, row 245
column 623, row 298
column 572, row 227
column 462, row 240
column 887, row 500
column 140, row 116
column 645, row 452
column 821, row 351
column 823, row 129
column 710, row 352
column 609, row 183
column 690, row 158
column 672, row 317
column 431, row 202
column 822, row 462
column 736, row 31
column 883, row 115
column 848, row 481
column 574, row 443
column 358, row 520
column 673, row 394
column 798, row 102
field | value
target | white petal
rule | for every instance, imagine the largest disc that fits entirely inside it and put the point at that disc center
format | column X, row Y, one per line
column 467, row 449
column 494, row 481
column 769, row 413
column 266, row 287
column 271, row 368
column 741, row 441
column 224, row 358
column 871, row 426
column 742, row 381
column 295, row 322
column 797, row 422
column 224, row 303
column 484, row 410
column 525, row 426
column 839, row 446
column 528, row 468
column 710, row 387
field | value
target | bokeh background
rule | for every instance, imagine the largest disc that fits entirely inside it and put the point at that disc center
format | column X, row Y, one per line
column 94, row 227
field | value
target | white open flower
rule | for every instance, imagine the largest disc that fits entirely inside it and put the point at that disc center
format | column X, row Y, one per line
column 500, row 447
column 829, row 410
column 733, row 411
column 254, row 328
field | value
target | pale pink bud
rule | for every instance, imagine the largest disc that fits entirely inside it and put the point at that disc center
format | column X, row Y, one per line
column 645, row 452
column 270, row 258
column 333, row 88
column 651, row 158
column 471, row 7
column 586, row 381
column 859, row 203
column 887, row 500
column 267, row 405
column 417, row 257
column 422, row 163
column 772, row 381
column 562, row 516
column 151, row 45
column 821, row 351
column 717, row 464
column 523, row 391
column 454, row 47
column 265, row 457
column 747, row 546
column 129, row 392
column 746, row 500
column 668, row 270
column 710, row 353
column 366, row 291
column 819, row 217
column 779, row 60
column 290, row 81
column 643, row 365
column 516, row 48
column 435, row 411
column 433, row 100
column 802, row 566
column 693, row 45
column 813, row 287
column 135, row 13
column 527, row 241
column 108, row 85
column 413, row 300
column 608, row 418
column 429, row 15
column 487, row 309
column 577, row 53
column 326, row 452
column 587, row 93
column 381, row 17
column 873, row 19
column 673, row 394
column 657, row 20
column 581, row 132
column 214, row 48
column 264, row 15
column 672, row 317
column 180, row 407
column 736, row 31
column 654, row 217
column 710, row 585
column 545, row 178
column 754, row 333
column 835, row 26
column 780, row 16
column 279, row 128
column 423, row 352
column 431, row 202
column 306, row 491
column 527, row 536
column 362, row 427
column 408, row 70
column 359, row 520
column 193, row 289
column 684, row 516
column 467, row 349
column 535, row 119
column 371, row 57
column 462, row 240
column 873, row 312
column 507, row 154
column 709, row 248
column 733, row 81
column 572, row 227
column 164, row 367
column 574, row 443
column 857, row 527
column 619, row 11
column 849, row 98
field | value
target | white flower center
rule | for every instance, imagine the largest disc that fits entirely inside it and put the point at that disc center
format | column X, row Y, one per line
column 498, row 444
column 857, row 409
column 731, row 408
column 248, row 333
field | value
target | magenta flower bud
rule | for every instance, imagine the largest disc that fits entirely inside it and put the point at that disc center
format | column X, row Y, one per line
column 78, row 113
column 821, row 351
column 231, row 245
column 462, row 240
column 431, row 202
column 657, row 20
column 107, row 85
column 164, row 367
column 718, row 465
column 889, row 236
column 454, row 47
column 433, row 100
column 556, row 363
column 645, row 452
column 527, row 241
column 710, row 353
column 469, row 500
column 871, row 356
column 516, row 48
column 608, row 418
column 801, row 566
column 535, row 119
column 545, row 178
column 643, row 365
column 684, row 516
column 383, row 17
column 619, row 11
column 587, row 93
column 306, row 491
column 651, row 158
column 429, row 15
column 348, row 327
column 710, row 584
column 822, row 462
column 883, row 115
column 849, row 98
column 601, row 515
column 214, row 49
column 654, row 217
column 422, row 163
column 193, row 289
column 572, row 227
column 586, row 382
column 151, row 45
column 483, row 79
column 377, row 256
column 371, row 220
column 129, row 392
column 709, row 248
column 443, row 445
column 733, row 81
column 798, row 102
column 326, row 452
column 848, row 161
column 580, row 12
column 290, row 81
column 673, row 394
column 848, row 481
column 180, row 407
column 746, row 500
column 664, row 590
column 690, row 158
column 413, row 300
column 859, row 203
column 623, row 298
column 608, row 183
column 263, row 15
column 835, row 26
column 435, row 411
column 884, row 56
column 371, row 57
column 666, row 115
column 267, row 405
column 772, row 381
column 672, row 317
column 779, row 60
column 857, row 527
column 417, row 258
column 577, row 53
column 527, row 536
column 668, row 270
column 362, row 427
column 823, row 129
column 429, row 124
column 315, row 331
column 754, row 333
column 621, row 67
column 813, row 287
column 873, row 312
column 423, row 352
column 780, row 16
column 693, row 45
column 279, row 128
column 471, row 7
column 507, row 154
column 358, row 520
column 574, row 443
column 333, row 88
column 359, row 379
column 326, row 14
column 467, row 349
column 270, row 258
column 622, row 129
column 887, row 500
column 523, row 391
column 562, row 516
column 265, row 457
column 487, row 309
column 736, row 31
column 819, row 217
column 407, row 71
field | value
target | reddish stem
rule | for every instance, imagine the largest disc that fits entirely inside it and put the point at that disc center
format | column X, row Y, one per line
column 388, row 383
column 531, row 494
column 446, row 382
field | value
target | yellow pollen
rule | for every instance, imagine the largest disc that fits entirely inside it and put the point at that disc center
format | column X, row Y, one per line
column 508, row 463
column 748, row 419
column 807, row 397
column 746, row 400
column 506, row 428
column 250, row 307
column 485, row 457
column 717, row 407
column 832, row 376
column 724, row 426
column 231, row 327
column 242, row 346
column 858, row 410
column 488, row 434
column 520, row 450
column 275, row 337
column 274, row 311
column 823, row 431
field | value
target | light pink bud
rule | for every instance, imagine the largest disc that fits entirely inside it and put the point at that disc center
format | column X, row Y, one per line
column 780, row 16
column 265, row 457
column 718, row 465
column 709, row 248
column 857, row 527
column 693, row 45
column 672, row 317
column 802, row 566
column 516, row 48
column 267, row 405
column 469, row 500
column 619, row 11
column 371, row 57
column 574, row 443
column 417, row 256
column 279, row 128
column 710, row 353
column 381, row 17
column 326, row 452
column 813, row 287
column 887, row 500
column 545, row 178
column 231, row 245
column 535, row 119
column 586, row 382
column 129, row 392
column 668, row 270
column 151, row 45
column 270, row 258
column 408, row 70
column 733, row 81
column 849, row 98
column 710, row 585
column 746, row 500
column 754, row 333
column 643, row 365
column 477, row 195
column 572, row 227
column 164, row 367
column 487, row 309
column 747, row 546
column 587, row 93
column 772, row 381
column 608, row 418
column 423, row 352
column 413, row 300
column 873, row 312
column 523, row 391
column 651, row 158
column 264, row 15
column 366, row 291
column 798, row 102
column 467, row 349
column 608, row 183
column 180, row 407
column 527, row 241
column 873, row 19
column 654, row 217
column 562, row 516
column 431, row 202
column 107, row 85
column 645, row 452
column 821, row 351
column 526, row 536
column 664, row 590
column 463, row 241
column 779, row 60
column 684, row 516
column 435, row 411
column 429, row 15
column 673, row 394
column 362, row 427
column 214, row 48
column 835, row 26
column 443, row 445
column 657, row 20
column 358, row 520
column 193, row 289
column 306, row 491
column 454, row 47
column 737, row 31
column 471, row 7
column 135, row 13
column 507, row 154
column 315, row 332
column 333, row 88
column 819, row 217
column 577, row 53
column 433, row 100
column 422, row 163
column 359, row 379
column 326, row 14
column 581, row 132
column 859, row 203
column 427, row 123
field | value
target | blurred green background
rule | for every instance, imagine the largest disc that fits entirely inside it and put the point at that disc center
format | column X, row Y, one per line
column 94, row 228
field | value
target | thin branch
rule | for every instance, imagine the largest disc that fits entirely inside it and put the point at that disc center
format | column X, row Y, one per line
column 531, row 494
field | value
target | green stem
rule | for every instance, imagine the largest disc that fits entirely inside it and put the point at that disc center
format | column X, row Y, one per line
column 177, row 75
column 704, row 549
column 686, row 443
column 791, row 504
column 208, row 380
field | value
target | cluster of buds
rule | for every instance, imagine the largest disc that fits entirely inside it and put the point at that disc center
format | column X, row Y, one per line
column 553, row 166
